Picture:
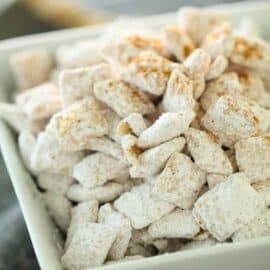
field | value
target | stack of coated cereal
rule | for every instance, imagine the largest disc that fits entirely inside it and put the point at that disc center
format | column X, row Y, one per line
column 149, row 143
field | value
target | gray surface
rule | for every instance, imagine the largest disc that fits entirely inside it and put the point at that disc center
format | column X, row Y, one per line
column 145, row 7
column 16, row 251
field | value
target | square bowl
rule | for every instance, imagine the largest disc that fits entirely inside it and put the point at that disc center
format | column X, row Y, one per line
column 248, row 255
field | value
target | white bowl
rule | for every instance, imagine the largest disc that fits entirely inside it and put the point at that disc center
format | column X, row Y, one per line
column 248, row 255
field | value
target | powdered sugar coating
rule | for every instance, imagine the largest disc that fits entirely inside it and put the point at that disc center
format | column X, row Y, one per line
column 231, row 119
column 141, row 207
column 149, row 72
column 78, row 83
column 31, row 67
column 109, row 216
column 228, row 206
column 102, row 194
column 89, row 246
column 199, row 22
column 80, row 122
column 97, row 169
column 152, row 161
column 132, row 124
column 217, row 67
column 180, row 181
column 256, row 167
column 123, row 98
column 49, row 155
column 59, row 208
column 177, row 224
column 82, row 213
column 53, row 182
column 227, row 84
column 178, row 41
column 207, row 152
column 257, row 227
column 40, row 102
column 26, row 145
column 179, row 93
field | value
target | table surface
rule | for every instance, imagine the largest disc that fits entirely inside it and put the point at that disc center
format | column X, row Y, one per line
column 13, row 233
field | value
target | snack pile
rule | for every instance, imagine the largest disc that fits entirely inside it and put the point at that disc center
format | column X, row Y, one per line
column 150, row 143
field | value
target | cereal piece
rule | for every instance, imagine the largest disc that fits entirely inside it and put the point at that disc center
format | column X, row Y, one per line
column 59, row 208
column 252, row 53
column 253, row 88
column 26, row 145
column 177, row 224
column 81, row 54
column 105, row 193
column 231, row 119
column 83, row 213
column 220, row 41
column 80, row 122
column 199, row 22
column 166, row 127
column 40, row 102
column 207, row 152
column 109, row 216
column 97, row 169
column 178, row 41
column 227, row 84
column 197, row 65
column 255, row 166
column 122, row 52
column 131, row 149
column 217, row 67
column 123, row 98
column 228, row 206
column 76, row 84
column 18, row 120
column 132, row 124
column 49, row 155
column 215, row 179
column 198, row 62
column 149, row 72
column 106, row 146
column 141, row 207
column 257, row 227
column 179, row 94
column 89, row 246
column 56, row 183
column 153, row 160
column 103, row 144
column 180, row 181
column 198, row 84
column 113, row 121
column 31, row 67
column 263, row 188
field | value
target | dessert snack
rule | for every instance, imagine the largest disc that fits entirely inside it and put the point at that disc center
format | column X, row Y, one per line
column 143, row 144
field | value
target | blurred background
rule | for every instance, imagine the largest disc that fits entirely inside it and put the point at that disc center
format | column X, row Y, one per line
column 25, row 17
